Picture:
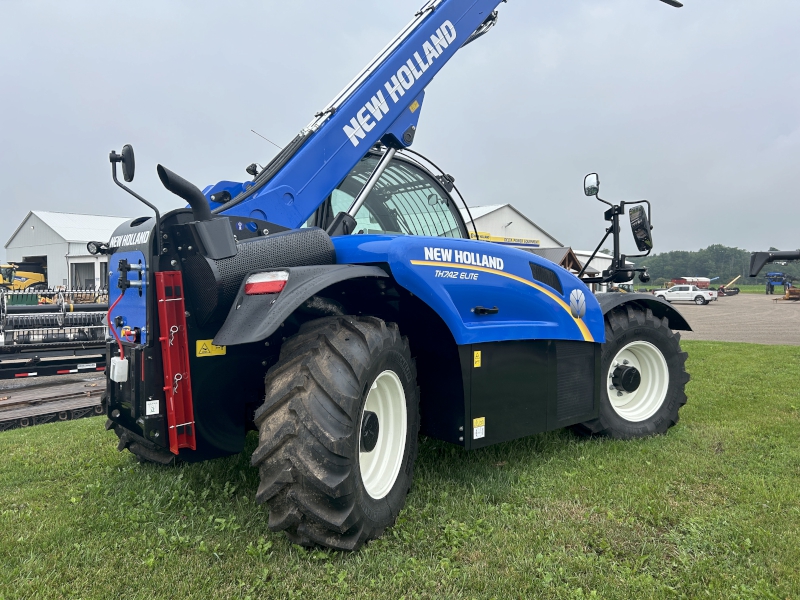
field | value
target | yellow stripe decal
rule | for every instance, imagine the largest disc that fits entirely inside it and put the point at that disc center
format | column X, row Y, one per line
column 587, row 336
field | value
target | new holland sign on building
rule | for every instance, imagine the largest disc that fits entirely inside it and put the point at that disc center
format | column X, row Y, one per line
column 504, row 224
column 485, row 236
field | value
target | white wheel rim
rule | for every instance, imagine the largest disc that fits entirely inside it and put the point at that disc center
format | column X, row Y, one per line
column 380, row 467
column 643, row 402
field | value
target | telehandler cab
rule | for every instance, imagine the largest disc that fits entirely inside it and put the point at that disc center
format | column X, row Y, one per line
column 337, row 304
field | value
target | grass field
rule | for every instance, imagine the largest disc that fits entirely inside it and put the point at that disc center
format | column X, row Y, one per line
column 757, row 289
column 710, row 510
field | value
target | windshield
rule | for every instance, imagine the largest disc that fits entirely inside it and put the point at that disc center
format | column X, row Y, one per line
column 7, row 273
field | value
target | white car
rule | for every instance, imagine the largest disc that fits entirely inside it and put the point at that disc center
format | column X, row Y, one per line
column 686, row 293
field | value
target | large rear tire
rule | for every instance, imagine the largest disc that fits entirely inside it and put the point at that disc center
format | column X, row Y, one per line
column 338, row 432
column 643, row 373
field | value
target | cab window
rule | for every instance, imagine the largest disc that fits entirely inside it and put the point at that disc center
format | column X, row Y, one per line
column 404, row 201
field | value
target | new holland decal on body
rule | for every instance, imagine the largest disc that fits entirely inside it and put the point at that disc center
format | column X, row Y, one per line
column 464, row 257
column 129, row 239
column 378, row 106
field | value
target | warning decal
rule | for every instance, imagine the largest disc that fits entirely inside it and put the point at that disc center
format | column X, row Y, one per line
column 476, row 361
column 206, row 348
column 478, row 428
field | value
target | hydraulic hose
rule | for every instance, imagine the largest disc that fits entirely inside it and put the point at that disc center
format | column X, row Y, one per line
column 111, row 325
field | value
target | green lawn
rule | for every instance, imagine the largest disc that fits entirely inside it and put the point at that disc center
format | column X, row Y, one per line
column 755, row 289
column 710, row 510
column 760, row 289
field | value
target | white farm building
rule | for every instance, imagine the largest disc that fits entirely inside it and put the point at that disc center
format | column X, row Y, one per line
column 58, row 241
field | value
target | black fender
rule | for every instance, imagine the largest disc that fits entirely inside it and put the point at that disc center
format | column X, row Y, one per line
column 660, row 307
column 255, row 318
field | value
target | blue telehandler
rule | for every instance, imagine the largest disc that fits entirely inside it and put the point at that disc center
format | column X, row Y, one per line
column 336, row 303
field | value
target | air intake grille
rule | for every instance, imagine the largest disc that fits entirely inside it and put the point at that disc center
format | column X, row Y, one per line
column 575, row 379
column 547, row 277
column 212, row 284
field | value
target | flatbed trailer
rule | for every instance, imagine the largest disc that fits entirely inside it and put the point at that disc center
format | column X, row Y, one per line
column 49, row 403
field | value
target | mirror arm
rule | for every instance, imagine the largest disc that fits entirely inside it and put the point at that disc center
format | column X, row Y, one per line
column 597, row 196
column 596, row 250
column 114, row 158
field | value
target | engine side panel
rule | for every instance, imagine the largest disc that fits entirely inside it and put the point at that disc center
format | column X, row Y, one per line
column 457, row 278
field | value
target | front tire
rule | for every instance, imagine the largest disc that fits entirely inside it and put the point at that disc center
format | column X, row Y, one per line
column 338, row 432
column 639, row 345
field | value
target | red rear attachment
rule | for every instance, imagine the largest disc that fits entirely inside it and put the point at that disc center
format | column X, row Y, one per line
column 175, row 350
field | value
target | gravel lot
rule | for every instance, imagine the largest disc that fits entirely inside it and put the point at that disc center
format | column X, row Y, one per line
column 750, row 318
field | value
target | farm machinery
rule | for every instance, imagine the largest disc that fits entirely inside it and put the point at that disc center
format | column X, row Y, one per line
column 727, row 290
column 759, row 259
column 23, row 276
column 51, row 332
column 336, row 304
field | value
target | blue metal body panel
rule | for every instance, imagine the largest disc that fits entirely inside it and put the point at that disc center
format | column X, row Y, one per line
column 234, row 188
column 385, row 105
column 453, row 276
column 133, row 306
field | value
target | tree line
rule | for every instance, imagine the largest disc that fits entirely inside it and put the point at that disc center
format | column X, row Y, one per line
column 717, row 260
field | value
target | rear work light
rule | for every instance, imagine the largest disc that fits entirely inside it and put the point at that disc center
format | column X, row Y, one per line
column 266, row 283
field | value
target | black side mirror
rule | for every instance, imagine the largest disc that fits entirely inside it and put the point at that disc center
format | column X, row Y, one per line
column 591, row 184
column 128, row 163
column 640, row 226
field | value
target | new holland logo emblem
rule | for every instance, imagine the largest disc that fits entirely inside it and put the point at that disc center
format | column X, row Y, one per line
column 577, row 304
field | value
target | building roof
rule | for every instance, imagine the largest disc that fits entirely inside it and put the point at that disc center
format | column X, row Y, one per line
column 74, row 227
column 563, row 256
column 482, row 211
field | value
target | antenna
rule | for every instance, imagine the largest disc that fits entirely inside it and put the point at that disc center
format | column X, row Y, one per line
column 269, row 140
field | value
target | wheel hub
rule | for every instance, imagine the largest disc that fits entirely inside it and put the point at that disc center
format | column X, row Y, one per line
column 370, row 428
column 638, row 380
column 383, row 433
column 626, row 378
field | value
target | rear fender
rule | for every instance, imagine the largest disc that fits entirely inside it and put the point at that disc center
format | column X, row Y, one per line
column 255, row 318
column 660, row 307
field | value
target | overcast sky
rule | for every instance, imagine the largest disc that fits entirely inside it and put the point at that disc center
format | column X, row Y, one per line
column 696, row 109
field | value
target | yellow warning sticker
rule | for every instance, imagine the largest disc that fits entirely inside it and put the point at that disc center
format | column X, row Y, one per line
column 476, row 360
column 414, row 106
column 206, row 348
column 478, row 428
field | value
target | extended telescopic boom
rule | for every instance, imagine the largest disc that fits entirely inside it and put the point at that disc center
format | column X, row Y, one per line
column 381, row 104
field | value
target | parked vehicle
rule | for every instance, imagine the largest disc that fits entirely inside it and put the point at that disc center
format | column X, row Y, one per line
column 686, row 293
column 23, row 276
column 337, row 304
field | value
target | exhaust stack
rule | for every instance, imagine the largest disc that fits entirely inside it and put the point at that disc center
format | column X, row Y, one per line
column 188, row 191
